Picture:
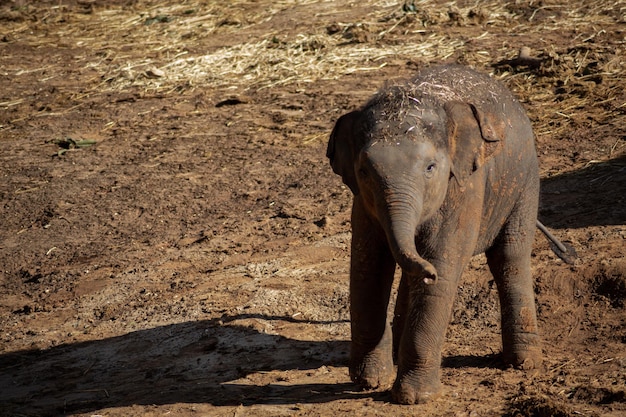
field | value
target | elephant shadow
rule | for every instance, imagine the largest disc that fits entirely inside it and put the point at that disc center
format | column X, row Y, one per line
column 205, row 361
column 592, row 196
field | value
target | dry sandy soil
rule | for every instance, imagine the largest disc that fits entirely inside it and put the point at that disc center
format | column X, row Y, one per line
column 173, row 241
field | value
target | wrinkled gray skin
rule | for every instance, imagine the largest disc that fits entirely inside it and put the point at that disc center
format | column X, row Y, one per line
column 442, row 167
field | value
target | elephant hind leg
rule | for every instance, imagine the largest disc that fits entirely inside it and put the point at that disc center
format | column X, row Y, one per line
column 399, row 314
column 509, row 262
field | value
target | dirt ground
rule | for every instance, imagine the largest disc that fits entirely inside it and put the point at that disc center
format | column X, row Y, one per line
column 174, row 242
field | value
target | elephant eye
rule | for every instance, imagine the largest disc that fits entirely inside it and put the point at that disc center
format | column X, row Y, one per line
column 430, row 170
column 363, row 173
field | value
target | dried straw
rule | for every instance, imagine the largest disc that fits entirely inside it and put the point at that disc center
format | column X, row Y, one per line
column 587, row 69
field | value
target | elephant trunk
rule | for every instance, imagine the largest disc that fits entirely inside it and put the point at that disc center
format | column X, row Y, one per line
column 400, row 231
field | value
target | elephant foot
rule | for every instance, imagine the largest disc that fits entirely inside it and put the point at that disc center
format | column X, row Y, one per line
column 375, row 371
column 525, row 355
column 406, row 391
column 524, row 359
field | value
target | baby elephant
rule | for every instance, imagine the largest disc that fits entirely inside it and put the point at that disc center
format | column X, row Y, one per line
column 442, row 167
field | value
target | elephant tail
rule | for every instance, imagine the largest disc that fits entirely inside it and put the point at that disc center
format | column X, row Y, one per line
column 565, row 251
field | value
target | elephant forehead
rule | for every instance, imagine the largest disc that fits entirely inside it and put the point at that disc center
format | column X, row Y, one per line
column 384, row 152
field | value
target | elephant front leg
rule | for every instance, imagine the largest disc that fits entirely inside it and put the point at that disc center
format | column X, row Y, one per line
column 419, row 359
column 371, row 277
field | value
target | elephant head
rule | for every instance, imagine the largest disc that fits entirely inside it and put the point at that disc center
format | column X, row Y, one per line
column 399, row 153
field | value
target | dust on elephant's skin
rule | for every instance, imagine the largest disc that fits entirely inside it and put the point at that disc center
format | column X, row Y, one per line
column 442, row 167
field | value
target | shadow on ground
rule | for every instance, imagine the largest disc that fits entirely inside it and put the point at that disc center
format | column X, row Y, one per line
column 592, row 196
column 193, row 362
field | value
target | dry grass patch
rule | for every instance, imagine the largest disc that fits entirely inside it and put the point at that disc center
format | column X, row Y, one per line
column 153, row 47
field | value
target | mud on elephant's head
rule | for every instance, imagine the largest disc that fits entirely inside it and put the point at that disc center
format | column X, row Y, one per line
column 399, row 152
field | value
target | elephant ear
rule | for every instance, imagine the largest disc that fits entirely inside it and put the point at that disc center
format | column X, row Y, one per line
column 341, row 149
column 474, row 135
